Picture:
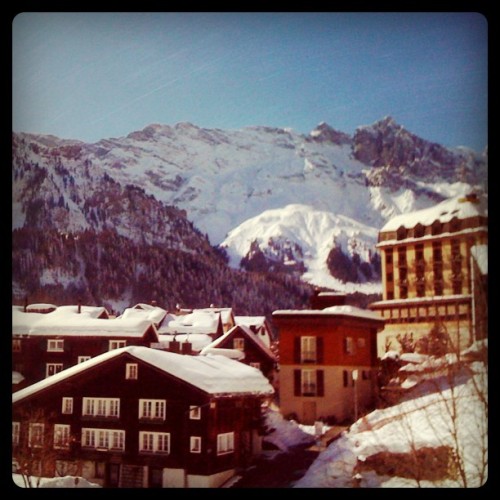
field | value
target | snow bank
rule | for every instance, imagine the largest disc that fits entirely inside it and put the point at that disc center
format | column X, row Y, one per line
column 416, row 424
column 285, row 433
column 57, row 482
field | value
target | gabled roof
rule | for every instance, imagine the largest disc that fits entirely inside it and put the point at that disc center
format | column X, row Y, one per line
column 66, row 321
column 198, row 321
column 215, row 375
column 198, row 340
column 151, row 313
column 248, row 333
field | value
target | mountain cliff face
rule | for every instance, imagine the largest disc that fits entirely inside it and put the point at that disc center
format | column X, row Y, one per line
column 189, row 190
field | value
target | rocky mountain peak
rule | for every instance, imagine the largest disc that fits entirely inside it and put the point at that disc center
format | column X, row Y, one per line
column 324, row 132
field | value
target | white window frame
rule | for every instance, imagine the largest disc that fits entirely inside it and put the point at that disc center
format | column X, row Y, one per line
column 194, row 412
column 195, row 444
column 67, row 406
column 81, row 359
column 55, row 345
column 225, row 443
column 116, row 344
column 103, row 439
column 62, row 433
column 35, row 430
column 16, row 431
column 239, row 343
column 131, row 371
column 308, row 383
column 349, row 345
column 57, row 367
column 101, row 407
column 308, row 349
column 154, row 442
column 152, row 409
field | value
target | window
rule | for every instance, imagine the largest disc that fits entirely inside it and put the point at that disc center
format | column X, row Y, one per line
column 61, row 436
column 239, row 343
column 307, row 349
column 67, row 406
column 117, row 344
column 308, row 382
column 101, row 407
column 152, row 408
column 131, row 371
column 52, row 369
column 35, row 437
column 81, row 359
column 345, row 378
column 16, row 429
column 348, row 345
column 195, row 412
column 16, row 345
column 103, row 439
column 195, row 444
column 55, row 345
column 388, row 256
column 361, row 342
column 154, row 442
column 225, row 443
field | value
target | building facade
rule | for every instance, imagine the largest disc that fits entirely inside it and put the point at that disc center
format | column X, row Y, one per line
column 160, row 420
column 327, row 362
column 427, row 271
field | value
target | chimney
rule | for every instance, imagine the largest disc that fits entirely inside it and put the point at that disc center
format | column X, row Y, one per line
column 174, row 346
column 79, row 306
column 187, row 347
column 25, row 303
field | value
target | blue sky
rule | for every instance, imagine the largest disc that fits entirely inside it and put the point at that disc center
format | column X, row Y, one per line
column 91, row 76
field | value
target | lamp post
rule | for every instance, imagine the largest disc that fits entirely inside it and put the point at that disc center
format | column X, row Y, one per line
column 355, row 380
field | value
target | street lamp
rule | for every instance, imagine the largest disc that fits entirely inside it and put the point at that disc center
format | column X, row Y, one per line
column 355, row 379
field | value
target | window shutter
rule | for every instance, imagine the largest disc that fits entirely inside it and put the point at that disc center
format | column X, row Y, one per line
column 320, row 382
column 319, row 349
column 296, row 383
column 296, row 350
column 346, row 381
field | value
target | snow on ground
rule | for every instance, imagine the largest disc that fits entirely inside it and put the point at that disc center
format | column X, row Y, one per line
column 56, row 482
column 414, row 424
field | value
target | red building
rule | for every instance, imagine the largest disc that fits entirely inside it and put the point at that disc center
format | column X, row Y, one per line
column 327, row 357
column 159, row 420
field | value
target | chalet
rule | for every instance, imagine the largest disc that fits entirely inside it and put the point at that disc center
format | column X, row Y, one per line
column 428, row 276
column 46, row 343
column 259, row 325
column 327, row 361
column 160, row 420
column 256, row 352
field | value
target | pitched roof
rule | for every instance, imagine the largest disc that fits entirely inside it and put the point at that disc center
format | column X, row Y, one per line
column 198, row 321
column 248, row 334
column 66, row 321
column 216, row 375
column 151, row 313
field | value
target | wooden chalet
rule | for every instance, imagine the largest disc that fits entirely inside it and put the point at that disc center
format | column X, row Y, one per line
column 160, row 420
column 255, row 352
column 46, row 343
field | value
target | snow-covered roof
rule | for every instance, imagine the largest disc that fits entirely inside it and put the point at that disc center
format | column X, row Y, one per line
column 249, row 334
column 150, row 313
column 250, row 320
column 460, row 207
column 226, row 313
column 344, row 310
column 216, row 375
column 17, row 378
column 480, row 255
column 40, row 307
column 65, row 320
column 198, row 321
column 198, row 340
column 229, row 353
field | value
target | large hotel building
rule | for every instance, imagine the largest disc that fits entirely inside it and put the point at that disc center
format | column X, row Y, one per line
column 434, row 270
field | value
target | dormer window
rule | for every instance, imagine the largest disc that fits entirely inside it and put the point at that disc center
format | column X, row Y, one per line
column 418, row 230
column 401, row 233
column 436, row 227
column 455, row 225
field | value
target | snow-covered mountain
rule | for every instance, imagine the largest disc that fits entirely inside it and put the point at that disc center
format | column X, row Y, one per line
column 152, row 184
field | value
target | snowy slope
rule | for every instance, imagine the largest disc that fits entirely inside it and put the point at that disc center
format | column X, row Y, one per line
column 300, row 233
column 455, row 417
